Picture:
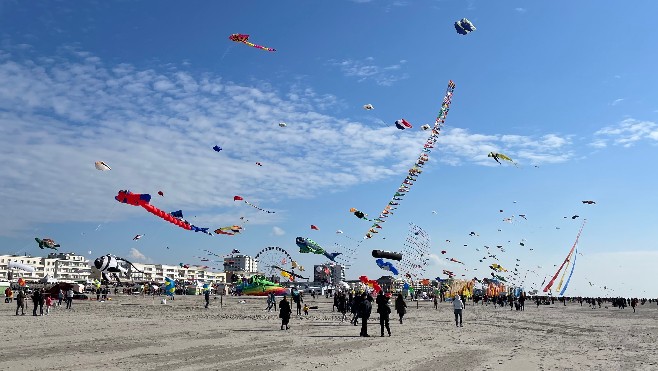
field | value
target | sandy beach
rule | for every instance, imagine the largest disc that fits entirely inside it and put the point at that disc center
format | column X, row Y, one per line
column 135, row 333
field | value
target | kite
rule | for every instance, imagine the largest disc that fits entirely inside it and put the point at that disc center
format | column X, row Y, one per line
column 402, row 124
column 443, row 252
column 386, row 255
column 217, row 148
column 416, row 169
column 370, row 283
column 315, row 228
column 47, row 243
column 100, row 165
column 137, row 237
column 523, row 216
column 143, row 200
column 160, row 193
column 368, row 107
column 282, row 124
column 387, row 266
column 21, row 266
column 500, row 156
column 259, row 164
column 361, row 214
column 113, row 265
column 307, row 245
column 589, row 202
column 229, row 231
column 170, row 286
column 464, row 26
column 575, row 216
column 426, row 127
column 242, row 38
column 332, row 255
column 339, row 231
column 550, row 283
column 238, row 198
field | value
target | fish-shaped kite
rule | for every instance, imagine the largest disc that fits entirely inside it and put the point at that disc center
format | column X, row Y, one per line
column 100, row 165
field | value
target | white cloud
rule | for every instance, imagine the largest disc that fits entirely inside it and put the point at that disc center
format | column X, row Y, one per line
column 617, row 101
column 367, row 70
column 521, row 10
column 277, row 231
column 437, row 260
column 137, row 256
column 626, row 133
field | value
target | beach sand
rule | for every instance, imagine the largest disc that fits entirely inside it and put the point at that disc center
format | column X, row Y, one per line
column 135, row 333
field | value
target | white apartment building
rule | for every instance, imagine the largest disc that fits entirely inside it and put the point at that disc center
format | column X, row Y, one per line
column 240, row 263
column 62, row 266
column 72, row 267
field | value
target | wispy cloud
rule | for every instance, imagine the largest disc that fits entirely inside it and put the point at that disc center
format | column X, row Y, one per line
column 617, row 101
column 520, row 10
column 367, row 70
column 626, row 133
column 436, row 260
column 137, row 256
column 277, row 231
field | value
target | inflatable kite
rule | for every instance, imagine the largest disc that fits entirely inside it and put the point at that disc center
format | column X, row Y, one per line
column 47, row 243
column 359, row 214
column 170, row 286
column 386, row 255
column 314, row 227
column 238, row 198
column 229, row 231
column 370, row 283
column 464, row 26
column 368, row 107
column 113, row 265
column 137, row 199
column 402, row 124
column 282, row 124
column 306, row 245
column 426, row 127
column 217, row 148
column 242, row 38
column 387, row 266
column 137, row 237
column 416, row 170
column 589, row 202
column 100, row 165
column 160, row 193
column 21, row 266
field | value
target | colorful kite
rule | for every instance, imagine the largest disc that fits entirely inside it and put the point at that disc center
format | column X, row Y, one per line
column 500, row 156
column 170, row 286
column 306, row 245
column 143, row 200
column 402, row 124
column 47, row 243
column 567, row 259
column 238, row 198
column 100, row 165
column 315, row 228
column 387, row 266
column 416, row 170
column 242, row 38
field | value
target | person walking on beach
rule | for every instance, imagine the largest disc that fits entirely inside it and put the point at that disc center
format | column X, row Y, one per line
column 69, row 298
column 356, row 304
column 60, row 297
column 20, row 302
column 458, row 306
column 633, row 304
column 400, row 306
column 206, row 296
column 284, row 312
column 270, row 301
column 365, row 308
column 436, row 303
column 342, row 306
column 384, row 313
column 37, row 299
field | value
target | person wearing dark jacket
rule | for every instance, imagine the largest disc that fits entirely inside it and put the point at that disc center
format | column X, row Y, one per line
column 37, row 299
column 400, row 306
column 20, row 302
column 365, row 308
column 206, row 296
column 384, row 311
column 356, row 304
column 284, row 312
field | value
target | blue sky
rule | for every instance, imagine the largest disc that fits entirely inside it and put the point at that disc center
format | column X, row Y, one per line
column 569, row 91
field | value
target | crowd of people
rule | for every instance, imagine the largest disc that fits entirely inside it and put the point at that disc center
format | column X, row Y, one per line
column 40, row 298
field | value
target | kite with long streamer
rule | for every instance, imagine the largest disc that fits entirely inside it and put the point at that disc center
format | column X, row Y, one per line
column 550, row 283
column 242, row 38
column 416, row 169
column 238, row 198
column 143, row 200
column 570, row 274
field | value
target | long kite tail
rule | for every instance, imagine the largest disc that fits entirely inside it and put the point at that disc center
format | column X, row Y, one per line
column 259, row 46
column 550, row 284
column 166, row 216
column 570, row 274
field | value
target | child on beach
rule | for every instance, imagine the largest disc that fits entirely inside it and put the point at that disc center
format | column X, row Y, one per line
column 49, row 304
column 306, row 309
